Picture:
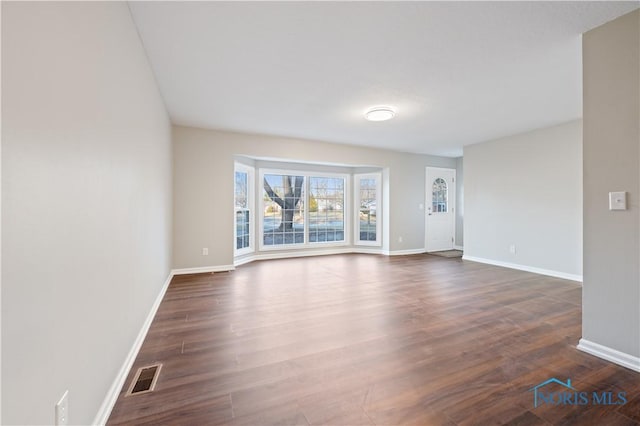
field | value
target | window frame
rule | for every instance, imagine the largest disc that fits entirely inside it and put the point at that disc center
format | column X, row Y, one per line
column 307, row 175
column 261, row 208
column 436, row 200
column 250, row 171
column 356, row 206
column 345, row 208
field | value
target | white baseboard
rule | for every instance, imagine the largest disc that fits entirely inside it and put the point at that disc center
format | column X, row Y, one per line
column 112, row 394
column 203, row 269
column 244, row 260
column 628, row 361
column 305, row 253
column 367, row 250
column 405, row 252
column 461, row 248
column 526, row 268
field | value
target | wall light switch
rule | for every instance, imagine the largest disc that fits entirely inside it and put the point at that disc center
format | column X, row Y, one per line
column 617, row 201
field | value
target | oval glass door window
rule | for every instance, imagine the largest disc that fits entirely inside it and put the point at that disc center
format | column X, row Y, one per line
column 439, row 198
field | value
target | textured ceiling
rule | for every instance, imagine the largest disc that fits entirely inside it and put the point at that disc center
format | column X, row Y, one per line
column 458, row 73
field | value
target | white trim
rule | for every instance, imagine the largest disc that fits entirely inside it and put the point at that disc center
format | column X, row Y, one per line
column 356, row 208
column 452, row 204
column 291, row 254
column 244, row 260
column 304, row 246
column 203, row 269
column 548, row 272
column 114, row 391
column 368, row 250
column 461, row 248
column 310, row 253
column 628, row 361
column 250, row 172
column 405, row 252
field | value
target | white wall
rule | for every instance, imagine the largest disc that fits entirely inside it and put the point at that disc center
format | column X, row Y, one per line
column 203, row 188
column 0, row 231
column 526, row 190
column 611, row 296
column 86, row 203
column 460, row 201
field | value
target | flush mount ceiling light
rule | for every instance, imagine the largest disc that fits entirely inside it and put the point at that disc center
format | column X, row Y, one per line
column 380, row 113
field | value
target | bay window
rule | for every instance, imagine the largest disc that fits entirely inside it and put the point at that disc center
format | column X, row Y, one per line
column 283, row 209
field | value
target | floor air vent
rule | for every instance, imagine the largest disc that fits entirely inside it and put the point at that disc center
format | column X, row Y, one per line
column 145, row 379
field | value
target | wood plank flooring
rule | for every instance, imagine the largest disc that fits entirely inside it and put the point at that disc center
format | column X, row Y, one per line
column 370, row 340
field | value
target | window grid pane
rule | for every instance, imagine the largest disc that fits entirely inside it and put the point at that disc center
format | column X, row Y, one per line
column 242, row 210
column 368, row 209
column 283, row 199
column 326, row 209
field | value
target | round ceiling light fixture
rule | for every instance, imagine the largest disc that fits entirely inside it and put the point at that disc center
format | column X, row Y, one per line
column 380, row 113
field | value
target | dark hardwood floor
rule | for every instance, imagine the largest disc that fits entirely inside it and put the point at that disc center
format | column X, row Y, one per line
column 364, row 339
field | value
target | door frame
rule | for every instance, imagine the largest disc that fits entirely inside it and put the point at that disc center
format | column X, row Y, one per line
column 452, row 203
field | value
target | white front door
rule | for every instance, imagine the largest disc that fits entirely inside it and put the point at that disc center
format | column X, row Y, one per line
column 440, row 208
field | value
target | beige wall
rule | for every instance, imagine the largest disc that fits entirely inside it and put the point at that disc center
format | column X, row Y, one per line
column 86, row 203
column 611, row 296
column 203, row 188
column 526, row 190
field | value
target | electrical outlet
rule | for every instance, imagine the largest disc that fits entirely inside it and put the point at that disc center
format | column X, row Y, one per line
column 62, row 410
column 617, row 201
column 512, row 249
column 399, row 239
column 205, row 251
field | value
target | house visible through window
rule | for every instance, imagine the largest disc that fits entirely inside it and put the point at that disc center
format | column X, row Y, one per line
column 368, row 202
column 326, row 209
